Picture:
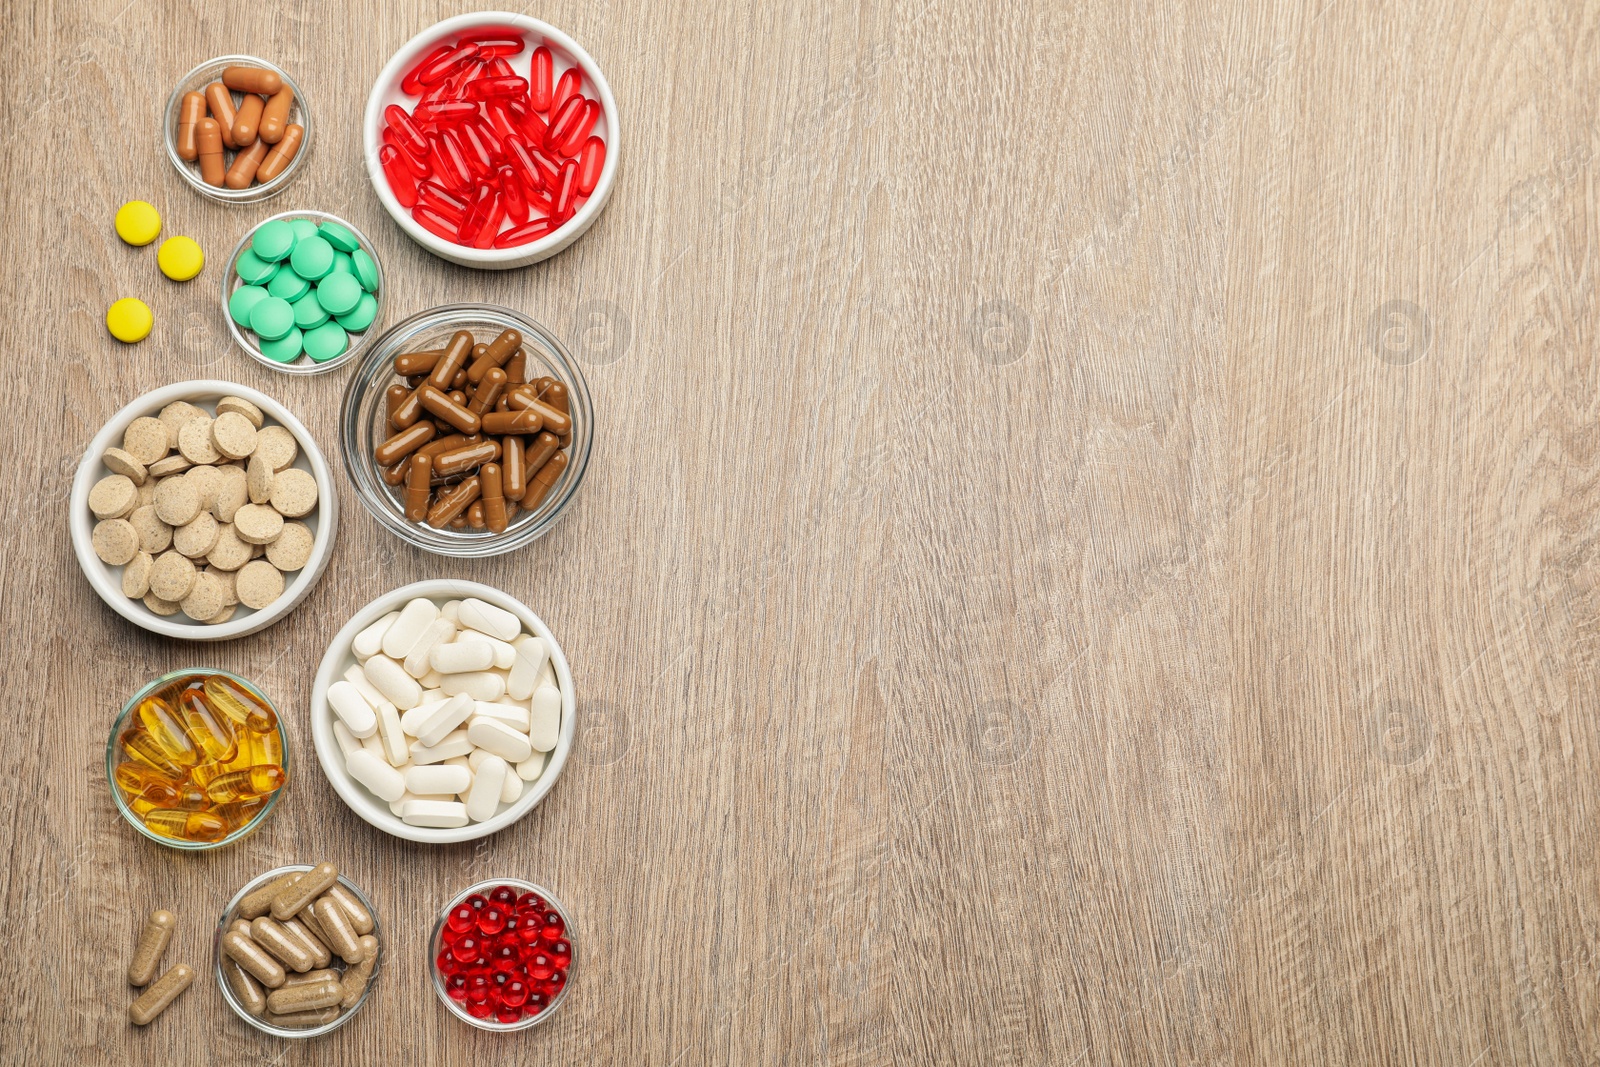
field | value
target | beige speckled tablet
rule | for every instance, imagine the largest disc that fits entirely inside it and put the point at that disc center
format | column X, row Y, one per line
column 194, row 441
column 278, row 445
column 146, row 440
column 154, row 535
column 205, row 598
column 198, row 536
column 226, row 577
column 171, row 465
column 171, row 576
column 174, row 415
column 159, row 606
column 258, row 584
column 292, row 548
column 238, row 405
column 233, row 435
column 257, row 524
column 208, row 480
column 146, row 494
column 258, row 478
column 115, row 541
column 177, row 502
column 230, row 552
column 222, row 616
column 233, row 493
column 136, row 575
column 120, row 462
column 113, row 496
column 294, row 492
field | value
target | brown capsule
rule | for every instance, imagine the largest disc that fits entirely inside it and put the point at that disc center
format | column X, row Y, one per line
column 409, row 410
column 503, row 404
column 537, row 454
column 457, row 397
column 408, row 363
column 539, row 488
column 497, row 354
column 296, row 929
column 526, row 421
column 245, row 165
column 475, row 516
column 459, row 380
column 340, row 935
column 152, row 944
column 208, row 139
column 319, row 975
column 517, row 368
column 305, row 996
column 247, row 120
column 252, row 80
column 392, row 397
column 403, row 443
column 494, row 497
column 418, row 488
column 465, row 458
column 557, row 422
column 246, row 990
column 302, row 1020
column 308, row 887
column 286, row 949
column 443, row 374
column 190, row 111
column 253, row 958
column 514, row 472
column 449, row 410
column 164, row 991
column 445, row 444
column 556, row 397
column 275, row 116
column 396, row 475
column 282, row 154
column 357, row 975
column 221, row 103
column 458, row 523
column 452, row 503
column 488, row 391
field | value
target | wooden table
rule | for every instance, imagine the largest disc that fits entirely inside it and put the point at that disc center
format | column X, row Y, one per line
column 1088, row 556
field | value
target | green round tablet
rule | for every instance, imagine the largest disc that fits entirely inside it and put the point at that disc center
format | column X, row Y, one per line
column 326, row 342
column 303, row 228
column 361, row 316
column 366, row 270
column 285, row 349
column 288, row 285
column 308, row 314
column 339, row 293
column 342, row 264
column 252, row 268
column 272, row 318
column 312, row 257
column 339, row 237
column 243, row 301
column 273, row 240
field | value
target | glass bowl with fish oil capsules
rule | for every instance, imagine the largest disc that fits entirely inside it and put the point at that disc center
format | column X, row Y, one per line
column 197, row 759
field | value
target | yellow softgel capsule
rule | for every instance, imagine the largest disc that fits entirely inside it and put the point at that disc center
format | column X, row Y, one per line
column 138, row 223
column 180, row 258
column 129, row 320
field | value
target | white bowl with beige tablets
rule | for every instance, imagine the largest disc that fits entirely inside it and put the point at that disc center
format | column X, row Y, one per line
column 203, row 510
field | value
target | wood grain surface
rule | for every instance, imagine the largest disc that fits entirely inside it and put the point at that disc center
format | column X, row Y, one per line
column 1088, row 555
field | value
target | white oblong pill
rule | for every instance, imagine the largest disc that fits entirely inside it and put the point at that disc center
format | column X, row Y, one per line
column 444, row 718
column 358, row 678
column 511, row 745
column 530, row 769
column 479, row 685
column 461, row 656
column 391, row 679
column 369, row 642
column 442, row 814
column 455, row 744
column 352, row 709
column 451, row 610
column 438, row 778
column 510, row 714
column 484, row 799
column 511, row 791
column 544, row 718
column 488, row 619
column 505, row 654
column 532, row 653
column 411, row 720
column 547, row 674
column 408, row 628
column 374, row 772
column 396, row 806
column 374, row 744
column 438, row 631
column 396, row 749
column 348, row 742
column 430, row 680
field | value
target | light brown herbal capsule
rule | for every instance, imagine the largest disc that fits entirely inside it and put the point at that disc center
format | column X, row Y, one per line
column 319, row 951
column 259, row 900
column 305, row 996
column 162, row 992
column 246, row 990
column 275, row 939
column 557, row 422
column 448, row 408
column 312, row 884
column 152, row 943
column 497, row 354
column 298, row 1020
column 253, row 958
column 341, row 936
column 357, row 975
column 488, row 392
column 517, row 368
column 310, row 976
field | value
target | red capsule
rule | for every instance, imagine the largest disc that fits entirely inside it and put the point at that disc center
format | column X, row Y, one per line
column 563, row 122
column 409, row 84
column 531, row 230
column 491, row 228
column 506, row 1015
column 476, row 216
column 565, row 192
column 500, row 119
column 479, row 162
column 574, row 142
column 503, row 895
column 497, row 49
column 549, row 170
column 447, row 963
column 541, row 73
column 447, row 64
column 434, row 222
column 540, row 202
column 417, row 165
column 591, row 164
column 520, row 159
column 570, row 85
column 407, row 135
column 478, row 988
column 553, row 985
column 497, row 68
column 450, row 162
column 433, row 195
column 491, row 141
column 534, row 129
column 511, row 194
column 402, row 183
column 446, row 111
column 488, row 88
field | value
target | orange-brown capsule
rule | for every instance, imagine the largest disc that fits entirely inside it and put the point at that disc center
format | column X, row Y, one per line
column 245, row 165
column 557, row 422
column 537, row 454
column 513, row 422
column 458, row 523
column 409, row 410
column 221, row 103
column 190, row 112
column 488, row 391
column 396, row 475
column 392, row 397
column 252, row 80
column 404, row 443
column 497, row 354
column 408, row 363
column 517, row 368
column 459, row 381
column 556, row 397
column 443, row 374
column 208, row 140
column 457, row 396
column 247, row 120
column 275, row 116
column 494, row 498
column 540, row 486
column 445, row 444
column 514, row 472
column 452, row 503
column 475, row 515
column 449, row 410
column 465, row 458
column 282, row 153
column 418, row 487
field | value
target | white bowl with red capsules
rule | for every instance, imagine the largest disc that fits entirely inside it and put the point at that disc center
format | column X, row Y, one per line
column 492, row 138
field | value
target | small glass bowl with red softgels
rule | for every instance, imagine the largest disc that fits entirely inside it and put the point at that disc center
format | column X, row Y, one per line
column 502, row 955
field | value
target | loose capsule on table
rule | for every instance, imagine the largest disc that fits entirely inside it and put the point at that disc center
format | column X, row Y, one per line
column 160, row 995
column 152, row 944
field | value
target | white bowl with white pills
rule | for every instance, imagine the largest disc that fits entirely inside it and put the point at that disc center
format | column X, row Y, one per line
column 443, row 711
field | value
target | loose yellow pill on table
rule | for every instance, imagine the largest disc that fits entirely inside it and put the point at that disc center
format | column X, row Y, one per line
column 180, row 258
column 129, row 320
column 138, row 223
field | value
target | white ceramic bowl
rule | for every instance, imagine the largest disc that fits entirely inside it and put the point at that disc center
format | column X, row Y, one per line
column 567, row 53
column 338, row 659
column 107, row 581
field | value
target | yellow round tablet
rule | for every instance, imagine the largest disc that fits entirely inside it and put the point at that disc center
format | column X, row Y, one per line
column 138, row 223
column 129, row 320
column 180, row 258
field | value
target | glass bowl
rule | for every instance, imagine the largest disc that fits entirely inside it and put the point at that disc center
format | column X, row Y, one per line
column 363, row 421
column 195, row 82
column 114, row 756
column 231, row 912
column 436, row 942
column 302, row 364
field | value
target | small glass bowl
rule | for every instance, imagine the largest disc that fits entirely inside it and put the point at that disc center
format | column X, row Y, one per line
column 114, row 757
column 231, row 912
column 302, row 364
column 195, row 82
column 363, row 419
column 436, row 942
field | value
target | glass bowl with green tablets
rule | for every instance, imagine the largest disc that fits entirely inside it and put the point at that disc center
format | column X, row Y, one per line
column 303, row 292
